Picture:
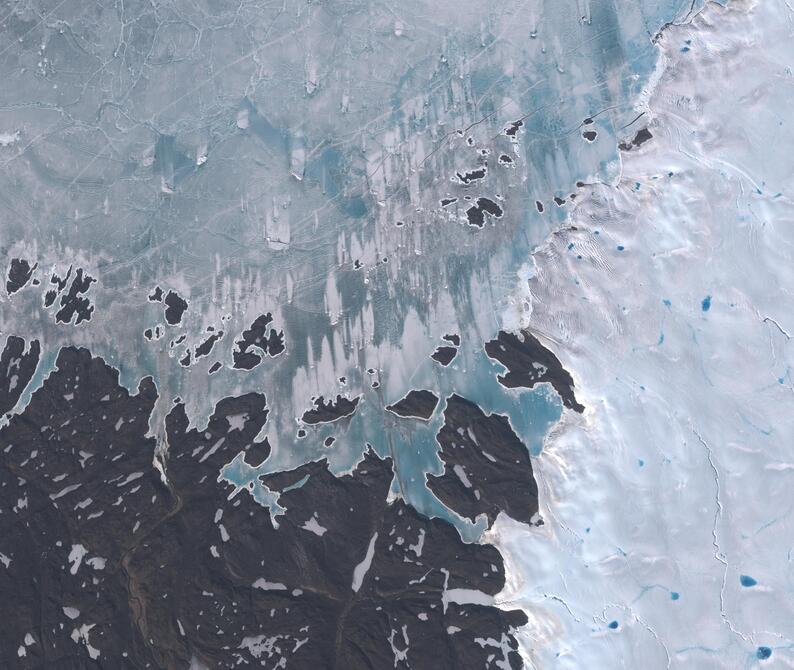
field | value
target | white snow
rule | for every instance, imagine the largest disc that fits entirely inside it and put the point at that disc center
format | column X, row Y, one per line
column 465, row 597
column 461, row 473
column 260, row 644
column 314, row 526
column 362, row 568
column 80, row 635
column 420, row 543
column 64, row 491
column 212, row 449
column 236, row 421
column 96, row 562
column 265, row 585
column 76, row 556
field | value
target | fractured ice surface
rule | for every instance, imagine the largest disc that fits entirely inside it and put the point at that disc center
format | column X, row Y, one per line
column 181, row 168
column 290, row 160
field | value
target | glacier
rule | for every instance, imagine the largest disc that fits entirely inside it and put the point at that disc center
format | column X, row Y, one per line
column 334, row 205
column 669, row 500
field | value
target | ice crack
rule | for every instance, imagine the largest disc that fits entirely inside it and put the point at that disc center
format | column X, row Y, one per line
column 769, row 319
column 718, row 553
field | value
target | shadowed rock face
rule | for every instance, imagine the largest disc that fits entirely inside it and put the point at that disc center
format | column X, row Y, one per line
column 74, row 483
column 19, row 273
column 415, row 405
column 529, row 363
column 444, row 355
column 74, row 304
column 109, row 566
column 260, row 335
column 642, row 136
column 330, row 410
column 477, row 212
column 206, row 346
column 486, row 467
column 175, row 307
column 16, row 369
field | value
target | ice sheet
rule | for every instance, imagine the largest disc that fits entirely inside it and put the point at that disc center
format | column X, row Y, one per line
column 669, row 534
